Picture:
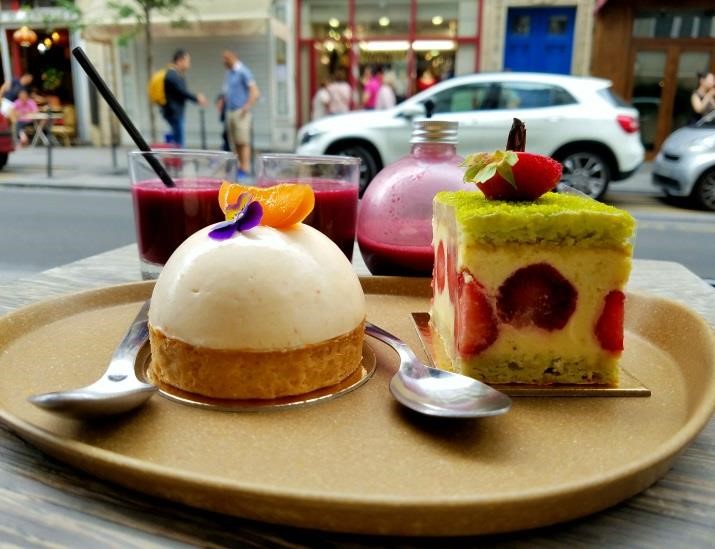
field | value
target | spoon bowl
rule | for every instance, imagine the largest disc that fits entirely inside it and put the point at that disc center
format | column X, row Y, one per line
column 117, row 391
column 436, row 392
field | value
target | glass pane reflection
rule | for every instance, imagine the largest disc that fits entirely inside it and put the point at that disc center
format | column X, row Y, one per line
column 648, row 76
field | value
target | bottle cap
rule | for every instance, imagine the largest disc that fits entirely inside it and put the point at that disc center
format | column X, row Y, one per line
column 434, row 131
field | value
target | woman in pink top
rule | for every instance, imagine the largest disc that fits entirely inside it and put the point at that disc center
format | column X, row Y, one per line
column 371, row 87
column 24, row 106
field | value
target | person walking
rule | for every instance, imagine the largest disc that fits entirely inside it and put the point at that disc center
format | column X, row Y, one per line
column 372, row 80
column 13, row 89
column 177, row 94
column 702, row 100
column 240, row 93
column 386, row 94
column 320, row 105
column 340, row 94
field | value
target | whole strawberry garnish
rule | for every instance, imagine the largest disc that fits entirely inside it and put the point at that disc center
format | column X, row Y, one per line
column 512, row 174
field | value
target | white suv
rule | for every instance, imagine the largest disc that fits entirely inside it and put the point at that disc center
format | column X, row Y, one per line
column 576, row 120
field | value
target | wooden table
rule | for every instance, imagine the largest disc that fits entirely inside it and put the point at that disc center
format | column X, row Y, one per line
column 43, row 502
column 39, row 121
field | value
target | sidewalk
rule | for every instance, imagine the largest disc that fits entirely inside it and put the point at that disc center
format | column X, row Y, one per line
column 72, row 167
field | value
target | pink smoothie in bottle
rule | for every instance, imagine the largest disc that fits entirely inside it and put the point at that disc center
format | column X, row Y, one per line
column 388, row 259
column 395, row 223
column 166, row 216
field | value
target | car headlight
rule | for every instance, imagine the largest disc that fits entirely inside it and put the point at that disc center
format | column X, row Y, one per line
column 308, row 136
column 702, row 144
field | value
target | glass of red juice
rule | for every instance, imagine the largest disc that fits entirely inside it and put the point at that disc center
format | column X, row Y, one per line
column 334, row 180
column 166, row 216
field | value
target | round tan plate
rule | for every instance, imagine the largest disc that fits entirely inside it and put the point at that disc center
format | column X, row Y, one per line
column 362, row 463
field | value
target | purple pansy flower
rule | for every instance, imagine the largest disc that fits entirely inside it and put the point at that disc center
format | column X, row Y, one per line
column 248, row 215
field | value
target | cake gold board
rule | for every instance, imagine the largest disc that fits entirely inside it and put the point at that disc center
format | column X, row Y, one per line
column 363, row 463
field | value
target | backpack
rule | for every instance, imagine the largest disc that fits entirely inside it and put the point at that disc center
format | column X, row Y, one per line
column 155, row 88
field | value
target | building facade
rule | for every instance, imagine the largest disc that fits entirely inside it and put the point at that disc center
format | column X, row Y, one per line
column 258, row 32
column 652, row 51
column 537, row 35
column 45, row 55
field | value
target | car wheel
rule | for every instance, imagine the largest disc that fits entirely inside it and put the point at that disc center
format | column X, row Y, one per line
column 3, row 160
column 587, row 172
column 704, row 191
column 368, row 163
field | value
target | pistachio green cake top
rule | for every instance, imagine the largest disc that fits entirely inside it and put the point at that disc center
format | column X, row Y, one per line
column 556, row 218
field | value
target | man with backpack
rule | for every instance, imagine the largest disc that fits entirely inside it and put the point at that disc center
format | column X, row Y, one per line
column 176, row 94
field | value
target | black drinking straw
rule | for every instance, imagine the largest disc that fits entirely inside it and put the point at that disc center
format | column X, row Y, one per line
column 132, row 130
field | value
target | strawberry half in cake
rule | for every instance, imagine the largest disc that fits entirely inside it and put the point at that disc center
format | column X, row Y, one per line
column 528, row 288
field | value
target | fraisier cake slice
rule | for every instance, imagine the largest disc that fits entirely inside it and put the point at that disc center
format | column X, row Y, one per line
column 529, row 291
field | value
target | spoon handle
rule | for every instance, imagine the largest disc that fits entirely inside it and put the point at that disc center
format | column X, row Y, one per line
column 407, row 356
column 135, row 338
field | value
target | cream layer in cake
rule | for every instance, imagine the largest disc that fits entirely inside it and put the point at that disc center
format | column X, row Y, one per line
column 581, row 244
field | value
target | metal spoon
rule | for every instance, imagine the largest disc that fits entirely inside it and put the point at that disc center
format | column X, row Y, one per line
column 117, row 391
column 435, row 392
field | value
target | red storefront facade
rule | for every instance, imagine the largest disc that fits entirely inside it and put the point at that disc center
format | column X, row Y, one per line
column 411, row 39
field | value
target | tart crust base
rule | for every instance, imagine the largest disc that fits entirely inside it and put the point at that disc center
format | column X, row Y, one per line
column 245, row 374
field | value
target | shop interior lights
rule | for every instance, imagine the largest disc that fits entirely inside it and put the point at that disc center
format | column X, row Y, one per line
column 385, row 45
column 25, row 36
column 404, row 45
column 429, row 45
column 383, row 21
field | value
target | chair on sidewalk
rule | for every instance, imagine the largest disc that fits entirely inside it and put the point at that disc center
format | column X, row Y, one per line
column 65, row 128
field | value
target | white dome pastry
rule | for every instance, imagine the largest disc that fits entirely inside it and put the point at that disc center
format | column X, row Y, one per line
column 263, row 314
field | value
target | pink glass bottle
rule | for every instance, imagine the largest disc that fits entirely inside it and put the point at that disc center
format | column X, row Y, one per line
column 394, row 228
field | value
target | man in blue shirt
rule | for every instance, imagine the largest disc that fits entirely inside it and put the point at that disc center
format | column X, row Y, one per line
column 240, row 93
column 177, row 94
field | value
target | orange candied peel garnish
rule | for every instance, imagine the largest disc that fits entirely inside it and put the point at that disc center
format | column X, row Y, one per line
column 283, row 205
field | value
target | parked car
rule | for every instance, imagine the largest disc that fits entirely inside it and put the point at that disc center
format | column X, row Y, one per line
column 576, row 120
column 685, row 165
column 7, row 140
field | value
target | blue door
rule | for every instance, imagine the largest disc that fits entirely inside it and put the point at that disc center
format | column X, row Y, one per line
column 539, row 39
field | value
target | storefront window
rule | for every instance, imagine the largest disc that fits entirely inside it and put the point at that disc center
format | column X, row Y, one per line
column 674, row 24
column 416, row 43
column 376, row 18
column 325, row 20
column 437, row 24
column 648, row 74
column 437, row 18
column 279, row 11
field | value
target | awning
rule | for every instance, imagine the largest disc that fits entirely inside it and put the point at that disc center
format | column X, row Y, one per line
column 243, row 18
